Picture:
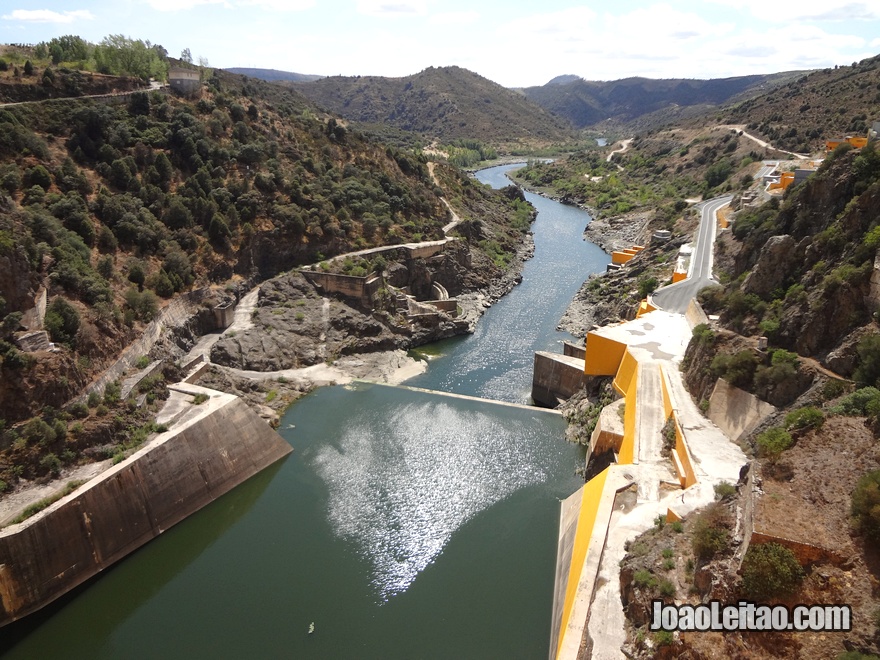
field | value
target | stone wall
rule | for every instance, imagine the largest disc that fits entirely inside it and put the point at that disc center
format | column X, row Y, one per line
column 131, row 503
column 176, row 313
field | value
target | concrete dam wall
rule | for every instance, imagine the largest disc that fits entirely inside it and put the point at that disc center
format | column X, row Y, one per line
column 217, row 446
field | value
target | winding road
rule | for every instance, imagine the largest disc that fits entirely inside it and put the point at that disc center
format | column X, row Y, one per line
column 676, row 297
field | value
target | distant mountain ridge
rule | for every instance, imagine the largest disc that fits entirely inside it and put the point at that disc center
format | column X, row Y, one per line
column 274, row 75
column 446, row 103
column 585, row 103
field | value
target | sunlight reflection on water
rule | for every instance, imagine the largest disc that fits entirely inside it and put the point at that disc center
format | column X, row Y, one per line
column 402, row 483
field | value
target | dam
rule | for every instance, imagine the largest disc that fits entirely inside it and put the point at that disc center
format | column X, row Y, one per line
column 404, row 524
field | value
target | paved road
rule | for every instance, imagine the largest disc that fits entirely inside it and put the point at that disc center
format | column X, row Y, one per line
column 675, row 297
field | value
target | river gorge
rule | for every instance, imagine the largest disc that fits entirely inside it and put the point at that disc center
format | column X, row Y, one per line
column 405, row 524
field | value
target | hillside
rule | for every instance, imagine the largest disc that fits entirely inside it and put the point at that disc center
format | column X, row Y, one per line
column 658, row 171
column 273, row 75
column 587, row 103
column 802, row 273
column 117, row 211
column 802, row 114
column 446, row 103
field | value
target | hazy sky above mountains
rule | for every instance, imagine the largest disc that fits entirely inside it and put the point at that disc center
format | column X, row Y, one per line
column 512, row 42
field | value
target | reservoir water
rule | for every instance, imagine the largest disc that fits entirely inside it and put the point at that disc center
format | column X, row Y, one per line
column 405, row 524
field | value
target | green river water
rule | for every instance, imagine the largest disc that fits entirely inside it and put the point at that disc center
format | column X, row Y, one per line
column 404, row 525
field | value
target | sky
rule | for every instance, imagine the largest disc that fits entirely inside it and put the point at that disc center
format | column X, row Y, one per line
column 512, row 42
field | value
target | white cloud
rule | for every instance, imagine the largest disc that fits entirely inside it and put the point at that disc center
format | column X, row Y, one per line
column 455, row 18
column 279, row 5
column 48, row 16
column 809, row 10
column 180, row 5
column 392, row 7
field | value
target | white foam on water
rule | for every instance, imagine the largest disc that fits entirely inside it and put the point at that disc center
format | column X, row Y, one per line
column 403, row 480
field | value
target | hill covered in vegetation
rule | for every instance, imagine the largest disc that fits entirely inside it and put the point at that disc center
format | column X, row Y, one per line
column 273, row 75
column 802, row 114
column 445, row 103
column 117, row 209
column 587, row 103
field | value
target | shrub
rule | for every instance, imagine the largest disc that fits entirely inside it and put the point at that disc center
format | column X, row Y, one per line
column 38, row 431
column 770, row 570
column 833, row 388
column 51, row 463
column 866, row 505
column 200, row 398
column 804, row 418
column 62, row 321
column 711, row 535
column 724, row 490
column 94, row 399
column 703, row 334
column 644, row 579
column 647, row 285
column 663, row 638
column 142, row 362
column 860, row 402
column 773, row 441
column 666, row 587
column 112, row 393
column 737, row 369
column 868, row 371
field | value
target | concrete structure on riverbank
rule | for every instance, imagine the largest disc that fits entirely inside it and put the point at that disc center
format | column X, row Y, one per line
column 623, row 501
column 209, row 449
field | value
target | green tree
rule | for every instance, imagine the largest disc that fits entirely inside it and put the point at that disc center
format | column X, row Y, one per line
column 62, row 321
column 121, row 55
column 28, row 68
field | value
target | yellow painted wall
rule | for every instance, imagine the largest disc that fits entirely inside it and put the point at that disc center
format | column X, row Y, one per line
column 690, row 477
column 679, row 276
column 603, row 355
column 626, row 383
column 590, row 500
column 667, row 401
column 645, row 308
column 626, row 373
column 672, row 516
column 626, row 455
column 621, row 257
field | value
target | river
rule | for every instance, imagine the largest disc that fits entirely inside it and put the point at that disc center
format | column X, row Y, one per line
column 405, row 524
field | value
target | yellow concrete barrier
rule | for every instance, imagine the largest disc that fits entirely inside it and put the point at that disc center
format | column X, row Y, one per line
column 626, row 383
column 603, row 355
column 590, row 501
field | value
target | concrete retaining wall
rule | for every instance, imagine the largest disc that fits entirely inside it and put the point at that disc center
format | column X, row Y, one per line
column 361, row 289
column 735, row 411
column 176, row 313
column 118, row 511
column 572, row 350
column 556, row 378
column 695, row 314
